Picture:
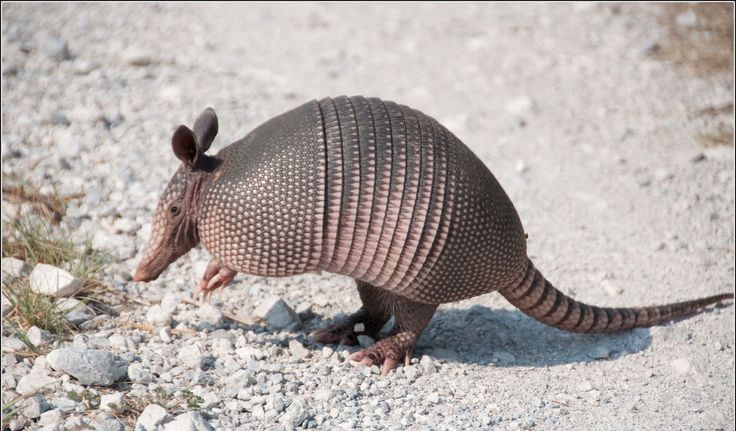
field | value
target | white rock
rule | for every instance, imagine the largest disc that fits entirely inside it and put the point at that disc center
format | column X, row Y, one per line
column 427, row 364
column 411, row 372
column 189, row 421
column 51, row 417
column 276, row 312
column 124, row 225
column 111, row 401
column 158, row 317
column 248, row 352
column 520, row 105
column 12, row 267
column 687, row 18
column 210, row 314
column 32, row 406
column 136, row 57
column 108, row 422
column 327, row 351
column 151, row 417
column 433, row 398
column 33, row 382
column 117, row 342
column 165, row 334
column 52, row 281
column 611, row 288
column 297, row 349
column 192, row 357
column 37, row 336
column 681, row 366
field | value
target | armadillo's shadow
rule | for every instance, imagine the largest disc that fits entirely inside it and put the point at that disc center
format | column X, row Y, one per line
column 482, row 336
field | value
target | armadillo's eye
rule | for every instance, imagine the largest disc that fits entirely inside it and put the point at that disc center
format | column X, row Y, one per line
column 174, row 210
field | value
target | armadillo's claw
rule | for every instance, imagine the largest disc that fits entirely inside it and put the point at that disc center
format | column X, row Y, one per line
column 215, row 277
column 341, row 333
column 385, row 353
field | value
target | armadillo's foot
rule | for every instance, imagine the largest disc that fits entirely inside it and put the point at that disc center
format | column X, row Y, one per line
column 387, row 353
column 215, row 277
column 346, row 331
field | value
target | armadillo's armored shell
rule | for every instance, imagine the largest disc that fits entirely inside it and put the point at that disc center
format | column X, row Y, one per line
column 365, row 188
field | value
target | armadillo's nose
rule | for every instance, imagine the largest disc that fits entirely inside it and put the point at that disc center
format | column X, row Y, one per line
column 142, row 274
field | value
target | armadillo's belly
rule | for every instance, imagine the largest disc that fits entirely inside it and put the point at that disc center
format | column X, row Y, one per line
column 409, row 208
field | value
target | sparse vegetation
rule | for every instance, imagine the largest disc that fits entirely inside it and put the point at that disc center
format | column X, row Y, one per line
column 34, row 238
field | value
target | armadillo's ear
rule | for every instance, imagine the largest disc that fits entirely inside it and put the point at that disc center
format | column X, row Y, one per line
column 205, row 129
column 185, row 145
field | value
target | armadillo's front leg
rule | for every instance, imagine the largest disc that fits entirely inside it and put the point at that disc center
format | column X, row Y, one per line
column 410, row 319
column 216, row 276
column 368, row 320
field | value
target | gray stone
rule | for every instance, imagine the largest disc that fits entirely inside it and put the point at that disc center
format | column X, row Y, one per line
column 33, row 382
column 139, row 374
column 64, row 404
column 53, row 281
column 151, row 417
column 599, row 352
column 58, row 49
column 504, row 357
column 76, row 312
column 90, row 367
column 294, row 415
column 189, row 421
column 276, row 312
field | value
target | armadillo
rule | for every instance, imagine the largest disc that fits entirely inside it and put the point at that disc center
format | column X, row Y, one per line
column 373, row 190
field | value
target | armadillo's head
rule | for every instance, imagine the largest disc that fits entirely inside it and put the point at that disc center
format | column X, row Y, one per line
column 174, row 230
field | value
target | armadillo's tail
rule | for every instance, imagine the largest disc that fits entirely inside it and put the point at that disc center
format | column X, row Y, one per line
column 536, row 297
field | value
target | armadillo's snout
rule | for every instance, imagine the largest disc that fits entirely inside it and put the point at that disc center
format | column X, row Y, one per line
column 154, row 262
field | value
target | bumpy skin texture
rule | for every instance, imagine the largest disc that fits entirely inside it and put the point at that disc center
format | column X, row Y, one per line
column 384, row 194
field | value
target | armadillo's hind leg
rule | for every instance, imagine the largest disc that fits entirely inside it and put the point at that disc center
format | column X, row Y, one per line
column 410, row 319
column 216, row 276
column 368, row 320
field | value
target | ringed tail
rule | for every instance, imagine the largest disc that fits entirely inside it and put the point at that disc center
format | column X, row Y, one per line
column 538, row 298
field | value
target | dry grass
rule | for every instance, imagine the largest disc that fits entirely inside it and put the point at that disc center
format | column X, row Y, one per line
column 704, row 48
column 49, row 206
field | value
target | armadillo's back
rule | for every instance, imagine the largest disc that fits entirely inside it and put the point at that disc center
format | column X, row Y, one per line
column 410, row 208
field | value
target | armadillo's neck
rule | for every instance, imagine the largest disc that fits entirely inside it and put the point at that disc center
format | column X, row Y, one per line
column 207, row 169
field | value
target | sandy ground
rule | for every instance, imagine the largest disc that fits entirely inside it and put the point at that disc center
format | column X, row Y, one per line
column 601, row 145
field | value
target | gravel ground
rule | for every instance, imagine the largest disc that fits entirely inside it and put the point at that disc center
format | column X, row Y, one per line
column 568, row 105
